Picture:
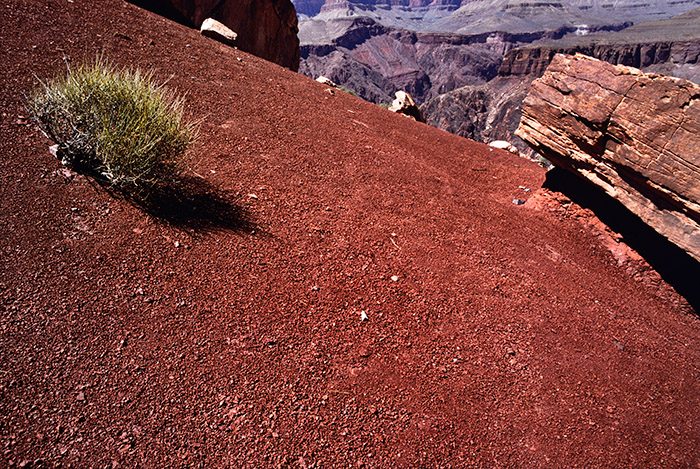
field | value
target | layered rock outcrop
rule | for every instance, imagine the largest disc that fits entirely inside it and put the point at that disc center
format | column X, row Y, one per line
column 534, row 60
column 266, row 28
column 635, row 135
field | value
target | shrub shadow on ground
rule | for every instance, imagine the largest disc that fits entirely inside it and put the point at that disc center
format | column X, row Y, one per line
column 195, row 205
column 674, row 265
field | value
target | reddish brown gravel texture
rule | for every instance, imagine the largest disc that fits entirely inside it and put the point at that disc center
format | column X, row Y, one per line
column 230, row 336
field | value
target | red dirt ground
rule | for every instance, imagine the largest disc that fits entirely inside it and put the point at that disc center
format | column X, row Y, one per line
column 230, row 336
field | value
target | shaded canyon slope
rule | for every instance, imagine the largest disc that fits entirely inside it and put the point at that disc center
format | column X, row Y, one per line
column 222, row 327
column 266, row 28
column 375, row 60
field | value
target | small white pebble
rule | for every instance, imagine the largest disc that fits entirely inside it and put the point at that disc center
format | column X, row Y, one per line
column 253, row 196
column 363, row 316
column 395, row 278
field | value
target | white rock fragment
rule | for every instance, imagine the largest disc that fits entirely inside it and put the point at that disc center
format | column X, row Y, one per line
column 219, row 31
column 503, row 145
column 327, row 81
column 395, row 278
column 363, row 316
column 405, row 105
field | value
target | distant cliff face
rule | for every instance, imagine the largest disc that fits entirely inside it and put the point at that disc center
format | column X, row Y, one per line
column 308, row 7
column 485, row 16
column 266, row 28
column 672, row 41
column 532, row 61
column 670, row 47
column 375, row 60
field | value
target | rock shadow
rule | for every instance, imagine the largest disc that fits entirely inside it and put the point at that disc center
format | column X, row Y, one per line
column 675, row 266
column 163, row 8
column 195, row 205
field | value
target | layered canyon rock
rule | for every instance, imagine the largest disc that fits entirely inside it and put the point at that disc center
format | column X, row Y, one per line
column 671, row 46
column 266, row 28
column 634, row 135
column 375, row 61
column 492, row 110
column 487, row 16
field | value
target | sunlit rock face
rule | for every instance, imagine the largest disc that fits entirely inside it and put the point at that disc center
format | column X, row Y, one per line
column 634, row 135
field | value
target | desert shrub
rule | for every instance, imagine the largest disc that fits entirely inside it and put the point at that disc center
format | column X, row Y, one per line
column 385, row 105
column 350, row 92
column 116, row 124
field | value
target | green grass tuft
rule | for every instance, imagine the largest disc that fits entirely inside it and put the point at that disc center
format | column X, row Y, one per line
column 116, row 124
column 350, row 92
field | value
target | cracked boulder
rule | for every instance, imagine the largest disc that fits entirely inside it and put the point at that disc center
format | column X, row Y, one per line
column 635, row 135
column 404, row 104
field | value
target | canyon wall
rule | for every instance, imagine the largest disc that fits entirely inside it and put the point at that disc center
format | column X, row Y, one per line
column 532, row 61
column 671, row 47
column 375, row 61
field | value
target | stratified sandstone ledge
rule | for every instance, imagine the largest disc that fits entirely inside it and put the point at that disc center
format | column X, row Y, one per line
column 635, row 135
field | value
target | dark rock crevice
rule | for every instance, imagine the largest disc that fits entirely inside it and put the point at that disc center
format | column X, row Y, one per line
column 674, row 265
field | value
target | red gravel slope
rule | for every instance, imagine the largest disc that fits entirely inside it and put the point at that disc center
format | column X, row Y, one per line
column 230, row 336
